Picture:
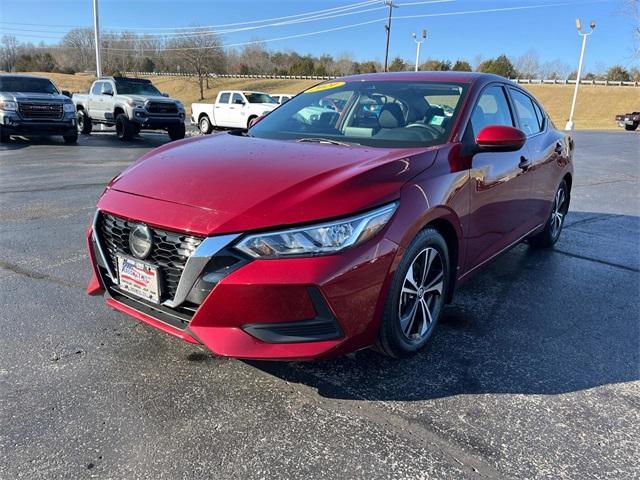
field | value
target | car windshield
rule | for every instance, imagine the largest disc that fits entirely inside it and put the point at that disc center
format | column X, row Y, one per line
column 373, row 113
column 136, row 88
column 27, row 85
column 259, row 98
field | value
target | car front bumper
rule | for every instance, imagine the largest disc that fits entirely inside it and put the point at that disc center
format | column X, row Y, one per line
column 286, row 309
column 16, row 125
column 156, row 122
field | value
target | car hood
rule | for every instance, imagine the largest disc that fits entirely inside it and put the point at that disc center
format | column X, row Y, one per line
column 144, row 98
column 244, row 183
column 34, row 96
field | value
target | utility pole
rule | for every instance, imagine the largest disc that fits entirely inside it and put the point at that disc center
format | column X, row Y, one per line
column 418, row 43
column 387, row 27
column 584, row 36
column 96, row 33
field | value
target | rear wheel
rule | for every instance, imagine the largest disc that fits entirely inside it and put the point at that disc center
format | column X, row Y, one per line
column 416, row 296
column 176, row 132
column 552, row 229
column 84, row 122
column 631, row 127
column 204, row 125
column 125, row 130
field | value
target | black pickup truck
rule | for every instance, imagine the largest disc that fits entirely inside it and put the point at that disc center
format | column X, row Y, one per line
column 31, row 105
column 629, row 121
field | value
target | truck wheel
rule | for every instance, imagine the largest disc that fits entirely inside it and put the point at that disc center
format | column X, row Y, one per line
column 631, row 127
column 250, row 120
column 4, row 136
column 84, row 122
column 73, row 138
column 125, row 130
column 204, row 125
column 176, row 132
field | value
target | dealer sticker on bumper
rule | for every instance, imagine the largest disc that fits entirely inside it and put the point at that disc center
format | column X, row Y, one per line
column 139, row 278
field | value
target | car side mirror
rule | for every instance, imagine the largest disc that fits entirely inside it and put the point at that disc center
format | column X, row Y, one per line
column 500, row 138
column 165, row 94
column 66, row 93
column 238, row 102
column 108, row 92
column 255, row 120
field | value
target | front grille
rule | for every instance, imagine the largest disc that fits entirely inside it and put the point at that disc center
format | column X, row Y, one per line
column 170, row 250
column 162, row 108
column 40, row 110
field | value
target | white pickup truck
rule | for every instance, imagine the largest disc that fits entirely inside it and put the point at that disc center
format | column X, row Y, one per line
column 233, row 109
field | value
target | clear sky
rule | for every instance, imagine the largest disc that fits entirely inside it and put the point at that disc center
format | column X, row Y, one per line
column 548, row 27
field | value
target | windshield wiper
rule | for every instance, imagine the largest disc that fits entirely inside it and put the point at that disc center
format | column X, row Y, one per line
column 326, row 140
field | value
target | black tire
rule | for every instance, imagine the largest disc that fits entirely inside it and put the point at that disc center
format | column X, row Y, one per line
column 396, row 338
column 125, row 130
column 84, row 122
column 177, row 132
column 250, row 119
column 73, row 138
column 4, row 136
column 553, row 228
column 204, row 125
column 632, row 127
column 136, row 129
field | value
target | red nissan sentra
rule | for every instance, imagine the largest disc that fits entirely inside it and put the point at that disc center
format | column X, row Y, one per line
column 344, row 219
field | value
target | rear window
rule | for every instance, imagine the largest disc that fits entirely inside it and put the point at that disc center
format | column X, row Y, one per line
column 27, row 85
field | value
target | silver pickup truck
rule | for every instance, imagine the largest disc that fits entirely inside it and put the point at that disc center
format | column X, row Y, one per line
column 131, row 104
column 31, row 105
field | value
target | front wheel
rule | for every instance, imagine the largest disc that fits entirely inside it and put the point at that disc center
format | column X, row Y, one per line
column 177, row 132
column 125, row 130
column 552, row 229
column 84, row 122
column 632, row 127
column 70, row 139
column 416, row 296
column 4, row 136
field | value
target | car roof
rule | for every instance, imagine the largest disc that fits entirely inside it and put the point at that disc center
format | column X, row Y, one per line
column 22, row 75
column 449, row 76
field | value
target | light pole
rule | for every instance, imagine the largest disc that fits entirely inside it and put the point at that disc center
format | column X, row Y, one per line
column 584, row 36
column 387, row 27
column 419, row 43
column 96, row 34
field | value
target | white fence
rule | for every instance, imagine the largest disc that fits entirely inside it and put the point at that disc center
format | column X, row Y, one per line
column 528, row 81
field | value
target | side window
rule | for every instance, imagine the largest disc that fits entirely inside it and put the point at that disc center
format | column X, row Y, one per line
column 492, row 109
column 526, row 112
column 106, row 87
column 540, row 115
column 237, row 99
column 224, row 98
column 97, row 88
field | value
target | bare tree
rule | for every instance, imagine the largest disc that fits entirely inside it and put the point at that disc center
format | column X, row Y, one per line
column 77, row 50
column 528, row 64
column 8, row 53
column 200, row 51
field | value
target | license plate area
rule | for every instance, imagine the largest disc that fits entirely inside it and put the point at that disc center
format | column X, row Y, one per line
column 139, row 278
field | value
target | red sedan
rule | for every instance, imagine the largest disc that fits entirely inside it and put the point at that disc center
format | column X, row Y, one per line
column 344, row 219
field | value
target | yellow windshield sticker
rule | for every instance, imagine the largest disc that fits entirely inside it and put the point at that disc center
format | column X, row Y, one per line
column 324, row 86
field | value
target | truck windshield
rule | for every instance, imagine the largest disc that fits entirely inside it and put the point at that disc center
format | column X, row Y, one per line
column 260, row 98
column 136, row 88
column 374, row 113
column 27, row 85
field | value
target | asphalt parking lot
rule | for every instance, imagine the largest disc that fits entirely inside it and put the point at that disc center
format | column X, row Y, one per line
column 533, row 373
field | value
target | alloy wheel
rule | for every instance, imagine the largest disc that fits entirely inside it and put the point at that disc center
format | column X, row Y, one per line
column 559, row 211
column 422, row 295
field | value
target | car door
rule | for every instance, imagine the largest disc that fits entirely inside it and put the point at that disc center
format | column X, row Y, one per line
column 221, row 111
column 106, row 103
column 544, row 146
column 500, row 186
column 238, row 114
column 95, row 100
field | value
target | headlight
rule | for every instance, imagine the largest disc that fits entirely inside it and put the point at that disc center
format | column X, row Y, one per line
column 321, row 239
column 135, row 103
column 68, row 107
column 8, row 106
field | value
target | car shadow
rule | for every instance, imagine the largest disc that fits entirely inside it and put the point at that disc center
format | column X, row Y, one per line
column 535, row 322
column 98, row 139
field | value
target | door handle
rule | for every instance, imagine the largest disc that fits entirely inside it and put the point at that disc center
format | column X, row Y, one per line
column 559, row 149
column 525, row 163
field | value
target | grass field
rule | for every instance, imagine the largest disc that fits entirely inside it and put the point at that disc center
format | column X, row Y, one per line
column 596, row 107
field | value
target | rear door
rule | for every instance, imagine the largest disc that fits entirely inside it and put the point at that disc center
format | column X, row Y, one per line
column 221, row 111
column 500, row 211
column 545, row 145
